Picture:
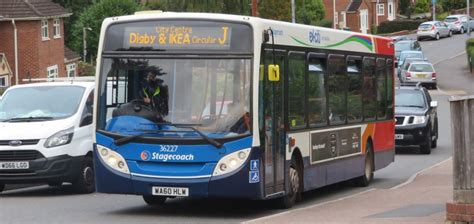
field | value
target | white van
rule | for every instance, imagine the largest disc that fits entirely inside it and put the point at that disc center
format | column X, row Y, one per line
column 46, row 134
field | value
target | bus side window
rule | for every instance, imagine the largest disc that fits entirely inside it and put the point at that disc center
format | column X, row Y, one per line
column 296, row 90
column 354, row 91
column 369, row 89
column 337, row 89
column 316, row 90
column 381, row 89
column 389, row 69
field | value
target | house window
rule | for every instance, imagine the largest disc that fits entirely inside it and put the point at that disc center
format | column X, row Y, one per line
column 52, row 71
column 3, row 81
column 380, row 9
column 44, row 30
column 71, row 70
column 57, row 28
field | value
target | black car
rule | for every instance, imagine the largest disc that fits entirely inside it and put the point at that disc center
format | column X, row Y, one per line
column 416, row 118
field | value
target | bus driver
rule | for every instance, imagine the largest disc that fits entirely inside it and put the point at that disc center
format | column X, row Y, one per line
column 155, row 94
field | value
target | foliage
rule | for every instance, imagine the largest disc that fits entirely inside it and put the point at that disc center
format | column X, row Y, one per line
column 398, row 25
column 324, row 23
column 93, row 16
column 449, row 5
column 470, row 52
column 404, row 6
column 2, row 90
column 275, row 9
column 241, row 7
column 76, row 7
column 86, row 69
column 421, row 6
column 310, row 12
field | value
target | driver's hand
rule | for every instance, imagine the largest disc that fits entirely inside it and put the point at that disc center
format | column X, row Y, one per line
column 147, row 100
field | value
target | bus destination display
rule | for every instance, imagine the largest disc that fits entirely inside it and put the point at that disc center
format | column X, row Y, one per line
column 178, row 37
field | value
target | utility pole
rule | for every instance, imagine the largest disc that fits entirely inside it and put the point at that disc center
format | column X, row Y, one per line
column 84, row 41
column 433, row 2
column 293, row 20
column 254, row 8
column 468, row 13
column 334, row 13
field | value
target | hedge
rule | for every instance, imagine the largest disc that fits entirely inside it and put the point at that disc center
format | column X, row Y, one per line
column 398, row 25
column 470, row 52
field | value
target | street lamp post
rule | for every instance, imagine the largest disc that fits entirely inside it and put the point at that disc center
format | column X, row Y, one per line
column 84, row 40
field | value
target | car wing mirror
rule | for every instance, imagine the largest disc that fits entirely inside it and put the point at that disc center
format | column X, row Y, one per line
column 434, row 104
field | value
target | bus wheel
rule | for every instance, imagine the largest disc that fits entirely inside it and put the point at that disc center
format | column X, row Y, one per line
column 364, row 180
column 85, row 183
column 154, row 200
column 294, row 174
column 2, row 187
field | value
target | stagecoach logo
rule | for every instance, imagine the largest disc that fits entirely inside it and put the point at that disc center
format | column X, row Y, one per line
column 15, row 143
column 145, row 155
column 314, row 37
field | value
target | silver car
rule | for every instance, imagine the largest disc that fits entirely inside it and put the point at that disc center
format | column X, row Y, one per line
column 459, row 23
column 419, row 71
column 433, row 30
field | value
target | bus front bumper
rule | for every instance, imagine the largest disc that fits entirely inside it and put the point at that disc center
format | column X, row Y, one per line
column 233, row 185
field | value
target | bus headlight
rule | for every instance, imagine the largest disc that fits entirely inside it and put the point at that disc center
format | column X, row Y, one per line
column 113, row 159
column 231, row 162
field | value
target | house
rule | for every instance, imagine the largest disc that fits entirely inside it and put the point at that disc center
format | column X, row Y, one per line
column 359, row 15
column 33, row 40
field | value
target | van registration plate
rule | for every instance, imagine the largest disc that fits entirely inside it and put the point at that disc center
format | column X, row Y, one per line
column 14, row 165
column 170, row 191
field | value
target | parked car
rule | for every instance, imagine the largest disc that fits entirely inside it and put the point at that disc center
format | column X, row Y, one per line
column 459, row 23
column 408, row 54
column 406, row 45
column 419, row 72
column 399, row 38
column 46, row 134
column 416, row 118
column 434, row 30
column 405, row 64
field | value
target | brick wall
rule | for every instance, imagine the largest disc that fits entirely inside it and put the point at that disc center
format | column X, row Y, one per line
column 341, row 5
column 34, row 54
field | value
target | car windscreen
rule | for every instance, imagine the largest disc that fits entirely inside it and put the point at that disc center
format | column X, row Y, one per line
column 421, row 68
column 409, row 98
column 53, row 102
column 451, row 19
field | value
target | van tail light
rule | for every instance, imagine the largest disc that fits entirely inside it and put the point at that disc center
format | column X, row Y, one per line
column 433, row 75
column 408, row 75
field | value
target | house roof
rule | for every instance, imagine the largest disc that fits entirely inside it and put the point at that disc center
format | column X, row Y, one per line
column 31, row 9
column 354, row 6
column 70, row 55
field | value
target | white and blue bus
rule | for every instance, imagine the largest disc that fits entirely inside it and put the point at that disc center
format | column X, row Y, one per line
column 249, row 108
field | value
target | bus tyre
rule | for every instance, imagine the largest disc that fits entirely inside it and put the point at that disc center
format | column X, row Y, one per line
column 85, row 182
column 154, row 200
column 426, row 148
column 364, row 180
column 294, row 177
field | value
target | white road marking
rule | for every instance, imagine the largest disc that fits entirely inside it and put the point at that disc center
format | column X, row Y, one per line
column 309, row 207
column 413, row 177
column 454, row 56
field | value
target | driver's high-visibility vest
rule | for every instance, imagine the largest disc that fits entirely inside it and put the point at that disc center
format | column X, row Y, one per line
column 156, row 93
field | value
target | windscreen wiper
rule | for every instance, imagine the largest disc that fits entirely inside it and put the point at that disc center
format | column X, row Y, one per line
column 20, row 119
column 127, row 139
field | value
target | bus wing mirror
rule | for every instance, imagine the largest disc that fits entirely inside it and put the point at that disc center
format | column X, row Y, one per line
column 274, row 73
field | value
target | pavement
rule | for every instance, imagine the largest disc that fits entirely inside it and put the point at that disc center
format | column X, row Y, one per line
column 421, row 199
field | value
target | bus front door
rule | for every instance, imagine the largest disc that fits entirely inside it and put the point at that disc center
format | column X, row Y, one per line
column 273, row 133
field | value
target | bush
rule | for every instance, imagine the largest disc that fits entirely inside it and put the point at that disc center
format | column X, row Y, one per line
column 86, row 69
column 470, row 52
column 398, row 25
column 324, row 23
column 2, row 90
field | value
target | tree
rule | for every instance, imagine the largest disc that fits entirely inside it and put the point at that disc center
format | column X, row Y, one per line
column 310, row 12
column 421, row 6
column 449, row 5
column 404, row 6
column 93, row 16
column 275, row 9
column 76, row 7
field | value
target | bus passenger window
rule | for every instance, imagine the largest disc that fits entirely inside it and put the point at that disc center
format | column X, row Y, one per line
column 316, row 91
column 381, row 90
column 337, row 89
column 296, row 90
column 354, row 92
column 369, row 89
